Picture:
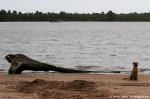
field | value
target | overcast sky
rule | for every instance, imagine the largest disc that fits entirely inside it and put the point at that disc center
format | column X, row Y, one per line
column 80, row 6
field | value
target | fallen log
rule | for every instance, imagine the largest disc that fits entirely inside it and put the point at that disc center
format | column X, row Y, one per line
column 20, row 62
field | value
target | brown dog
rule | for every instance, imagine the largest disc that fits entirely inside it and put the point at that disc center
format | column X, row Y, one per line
column 134, row 73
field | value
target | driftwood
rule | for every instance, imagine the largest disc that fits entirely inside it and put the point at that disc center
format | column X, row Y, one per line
column 20, row 62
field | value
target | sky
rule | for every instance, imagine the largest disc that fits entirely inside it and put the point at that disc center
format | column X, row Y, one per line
column 80, row 6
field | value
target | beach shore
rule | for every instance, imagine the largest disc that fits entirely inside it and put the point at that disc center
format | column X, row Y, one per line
column 73, row 86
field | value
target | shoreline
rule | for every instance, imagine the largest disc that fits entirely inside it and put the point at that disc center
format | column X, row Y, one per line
column 104, row 72
column 70, row 86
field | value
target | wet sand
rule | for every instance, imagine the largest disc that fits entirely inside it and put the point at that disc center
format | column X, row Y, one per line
column 73, row 86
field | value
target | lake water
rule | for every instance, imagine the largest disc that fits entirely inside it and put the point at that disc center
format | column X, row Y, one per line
column 101, row 45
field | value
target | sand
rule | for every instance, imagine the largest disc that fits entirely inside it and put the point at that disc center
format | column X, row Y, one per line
column 73, row 86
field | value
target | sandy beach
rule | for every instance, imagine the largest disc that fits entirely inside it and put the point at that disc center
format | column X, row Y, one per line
column 73, row 86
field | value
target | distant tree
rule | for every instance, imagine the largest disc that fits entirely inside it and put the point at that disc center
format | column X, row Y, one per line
column 102, row 16
column 110, row 16
column 38, row 13
column 14, row 12
column 3, row 16
column 40, row 16
column 102, row 13
column 62, row 15
column 9, row 12
column 14, row 16
column 2, row 12
column 19, row 13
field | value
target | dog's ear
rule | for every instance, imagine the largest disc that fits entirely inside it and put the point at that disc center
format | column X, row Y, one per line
column 135, row 64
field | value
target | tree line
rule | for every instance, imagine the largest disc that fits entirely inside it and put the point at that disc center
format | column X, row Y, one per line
column 6, row 16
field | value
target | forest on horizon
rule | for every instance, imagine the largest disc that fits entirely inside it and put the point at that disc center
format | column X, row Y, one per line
column 14, row 16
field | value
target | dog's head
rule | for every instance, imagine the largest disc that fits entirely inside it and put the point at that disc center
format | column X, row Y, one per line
column 135, row 64
column 10, row 57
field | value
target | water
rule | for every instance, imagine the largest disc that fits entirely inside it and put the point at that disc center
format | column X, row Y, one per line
column 101, row 45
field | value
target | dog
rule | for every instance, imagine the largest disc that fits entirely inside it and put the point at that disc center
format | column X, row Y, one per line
column 134, row 72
